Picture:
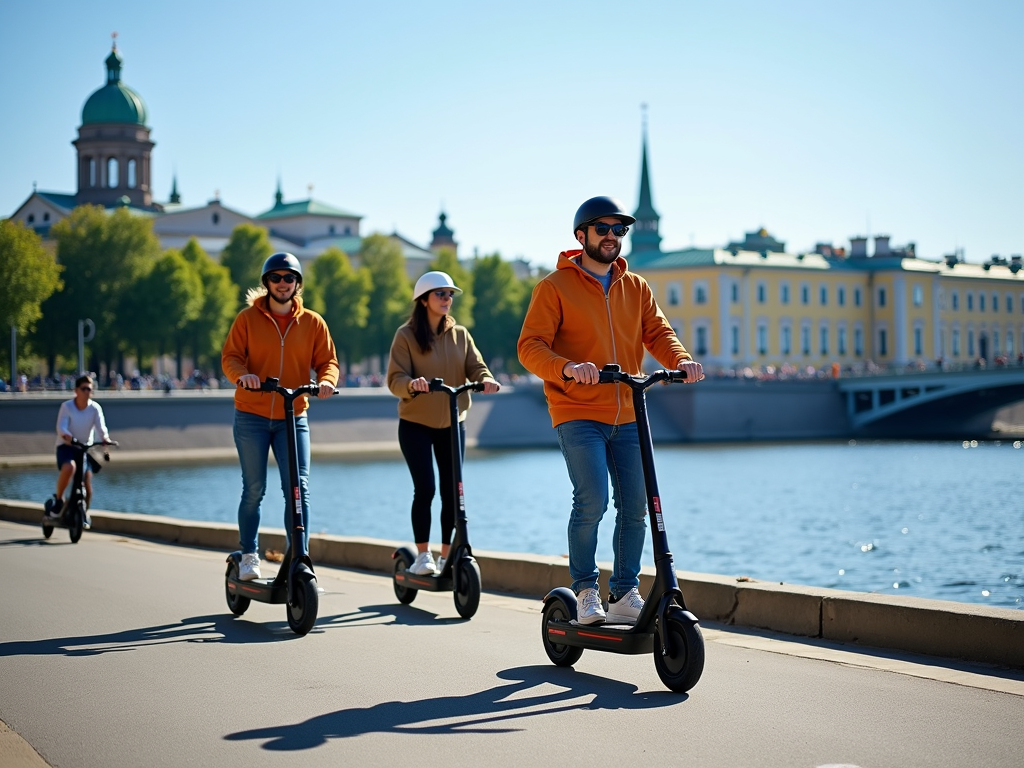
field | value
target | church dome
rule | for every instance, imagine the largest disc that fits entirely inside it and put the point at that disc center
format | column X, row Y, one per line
column 115, row 102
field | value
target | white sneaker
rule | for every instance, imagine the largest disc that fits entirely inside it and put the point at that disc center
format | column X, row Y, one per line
column 440, row 563
column 626, row 609
column 589, row 609
column 423, row 565
column 250, row 568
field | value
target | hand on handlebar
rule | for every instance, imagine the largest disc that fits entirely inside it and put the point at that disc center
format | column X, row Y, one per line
column 490, row 387
column 249, row 381
column 419, row 385
column 694, row 371
column 581, row 373
column 66, row 438
column 326, row 390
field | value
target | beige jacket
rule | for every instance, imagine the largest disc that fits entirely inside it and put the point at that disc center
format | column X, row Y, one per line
column 454, row 358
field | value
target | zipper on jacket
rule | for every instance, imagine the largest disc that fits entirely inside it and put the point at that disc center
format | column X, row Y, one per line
column 280, row 367
column 615, row 354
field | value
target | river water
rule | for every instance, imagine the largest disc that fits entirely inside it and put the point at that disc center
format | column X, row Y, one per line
column 929, row 519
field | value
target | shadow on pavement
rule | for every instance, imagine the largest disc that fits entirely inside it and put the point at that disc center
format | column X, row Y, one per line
column 40, row 542
column 472, row 713
column 220, row 628
column 367, row 615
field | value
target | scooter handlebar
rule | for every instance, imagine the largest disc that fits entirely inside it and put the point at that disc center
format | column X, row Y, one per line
column 438, row 385
column 612, row 373
column 274, row 385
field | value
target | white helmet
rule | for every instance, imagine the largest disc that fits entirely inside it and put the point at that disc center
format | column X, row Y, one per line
column 431, row 281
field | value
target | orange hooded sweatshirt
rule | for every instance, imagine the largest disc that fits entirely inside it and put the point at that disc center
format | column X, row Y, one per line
column 255, row 344
column 571, row 319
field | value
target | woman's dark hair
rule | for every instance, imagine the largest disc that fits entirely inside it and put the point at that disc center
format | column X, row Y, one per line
column 421, row 326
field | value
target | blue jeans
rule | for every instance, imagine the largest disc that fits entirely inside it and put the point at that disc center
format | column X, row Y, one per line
column 255, row 437
column 592, row 451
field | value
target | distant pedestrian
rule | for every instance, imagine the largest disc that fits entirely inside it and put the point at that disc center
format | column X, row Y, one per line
column 589, row 312
column 432, row 345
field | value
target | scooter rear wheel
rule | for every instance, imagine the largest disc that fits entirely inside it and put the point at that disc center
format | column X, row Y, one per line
column 303, row 606
column 560, row 655
column 467, row 594
column 681, row 671
column 77, row 521
column 403, row 559
column 237, row 604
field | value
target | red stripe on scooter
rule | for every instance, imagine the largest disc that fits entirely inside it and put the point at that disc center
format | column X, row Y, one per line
column 556, row 631
column 600, row 637
column 250, row 589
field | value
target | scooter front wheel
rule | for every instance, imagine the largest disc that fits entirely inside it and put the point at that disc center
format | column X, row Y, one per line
column 681, row 670
column 77, row 522
column 303, row 606
column 403, row 559
column 237, row 604
column 467, row 591
column 47, row 531
column 561, row 655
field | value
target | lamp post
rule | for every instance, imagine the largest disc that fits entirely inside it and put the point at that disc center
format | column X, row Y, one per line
column 82, row 339
column 14, row 355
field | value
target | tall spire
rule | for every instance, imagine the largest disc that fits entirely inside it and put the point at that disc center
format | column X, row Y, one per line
column 278, row 197
column 645, row 231
column 175, row 197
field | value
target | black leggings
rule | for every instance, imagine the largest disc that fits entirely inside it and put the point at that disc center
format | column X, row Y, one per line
column 416, row 441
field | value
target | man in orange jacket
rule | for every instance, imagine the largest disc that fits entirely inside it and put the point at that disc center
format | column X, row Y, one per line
column 274, row 336
column 589, row 312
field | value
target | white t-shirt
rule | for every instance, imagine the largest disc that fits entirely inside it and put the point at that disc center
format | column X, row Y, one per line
column 80, row 423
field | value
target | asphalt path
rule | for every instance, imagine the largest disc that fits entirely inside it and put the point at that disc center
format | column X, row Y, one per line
column 119, row 652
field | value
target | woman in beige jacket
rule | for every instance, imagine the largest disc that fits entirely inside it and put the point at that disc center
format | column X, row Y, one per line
column 432, row 346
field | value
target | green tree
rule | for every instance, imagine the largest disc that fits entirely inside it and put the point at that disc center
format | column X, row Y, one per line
column 342, row 295
column 103, row 255
column 247, row 249
column 447, row 261
column 390, row 294
column 30, row 276
column 206, row 333
column 500, row 308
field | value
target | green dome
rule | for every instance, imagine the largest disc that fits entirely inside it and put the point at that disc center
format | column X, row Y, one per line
column 115, row 102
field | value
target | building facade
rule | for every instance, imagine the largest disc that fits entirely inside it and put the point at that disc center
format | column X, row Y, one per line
column 753, row 304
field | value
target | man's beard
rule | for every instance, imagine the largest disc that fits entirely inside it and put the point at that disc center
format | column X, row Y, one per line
column 275, row 297
column 595, row 252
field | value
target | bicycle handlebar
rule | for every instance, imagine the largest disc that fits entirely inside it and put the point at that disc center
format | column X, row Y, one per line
column 86, row 446
column 612, row 374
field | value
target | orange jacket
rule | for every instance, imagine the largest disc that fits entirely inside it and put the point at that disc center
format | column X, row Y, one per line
column 256, row 345
column 571, row 319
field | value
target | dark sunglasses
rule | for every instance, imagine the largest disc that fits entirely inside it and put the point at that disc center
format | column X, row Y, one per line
column 602, row 229
column 86, row 389
column 445, row 294
column 275, row 278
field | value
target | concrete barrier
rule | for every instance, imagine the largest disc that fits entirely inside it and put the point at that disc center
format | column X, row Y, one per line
column 934, row 627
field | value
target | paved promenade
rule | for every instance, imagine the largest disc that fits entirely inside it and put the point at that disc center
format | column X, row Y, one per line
column 120, row 652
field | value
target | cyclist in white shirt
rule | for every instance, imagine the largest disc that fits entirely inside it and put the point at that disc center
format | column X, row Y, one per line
column 80, row 419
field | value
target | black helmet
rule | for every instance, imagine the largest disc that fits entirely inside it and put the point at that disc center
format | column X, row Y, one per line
column 599, row 207
column 281, row 261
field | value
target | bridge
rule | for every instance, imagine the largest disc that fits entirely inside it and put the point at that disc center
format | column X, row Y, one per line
column 930, row 405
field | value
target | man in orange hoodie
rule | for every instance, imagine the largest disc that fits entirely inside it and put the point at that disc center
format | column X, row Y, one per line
column 589, row 312
column 274, row 336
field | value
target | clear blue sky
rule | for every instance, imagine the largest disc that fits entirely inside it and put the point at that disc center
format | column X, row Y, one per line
column 817, row 120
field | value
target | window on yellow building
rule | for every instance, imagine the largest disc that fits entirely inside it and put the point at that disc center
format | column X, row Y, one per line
column 918, row 294
column 970, row 301
column 700, row 294
column 858, row 341
column 1009, row 304
column 883, row 348
column 995, row 302
column 955, row 298
column 675, row 292
column 981, row 302
column 956, row 342
column 1009, row 343
column 823, row 295
column 856, row 297
column 702, row 340
column 762, row 339
column 784, row 293
column 787, row 340
column 841, row 296
column 823, row 338
column 970, row 343
column 805, row 294
column 762, row 293
column 881, row 296
column 805, row 340
column 735, row 293
column 735, row 338
column 918, row 343
column 841, row 341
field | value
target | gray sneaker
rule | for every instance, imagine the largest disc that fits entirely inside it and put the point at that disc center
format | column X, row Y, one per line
column 249, row 568
column 589, row 609
column 626, row 610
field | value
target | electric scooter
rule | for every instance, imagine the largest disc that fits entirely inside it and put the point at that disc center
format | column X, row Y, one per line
column 461, row 573
column 295, row 583
column 74, row 513
column 664, row 626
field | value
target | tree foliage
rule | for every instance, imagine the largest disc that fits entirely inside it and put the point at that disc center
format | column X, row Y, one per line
column 501, row 306
column 103, row 255
column 341, row 295
column 30, row 275
column 390, row 294
column 205, row 334
column 447, row 261
column 247, row 249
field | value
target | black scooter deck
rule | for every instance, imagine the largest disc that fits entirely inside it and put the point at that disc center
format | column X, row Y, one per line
column 617, row 638
column 261, row 590
column 427, row 583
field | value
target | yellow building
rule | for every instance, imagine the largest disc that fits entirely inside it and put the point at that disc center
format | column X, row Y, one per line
column 752, row 304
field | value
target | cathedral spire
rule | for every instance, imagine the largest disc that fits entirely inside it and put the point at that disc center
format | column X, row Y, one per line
column 645, row 231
